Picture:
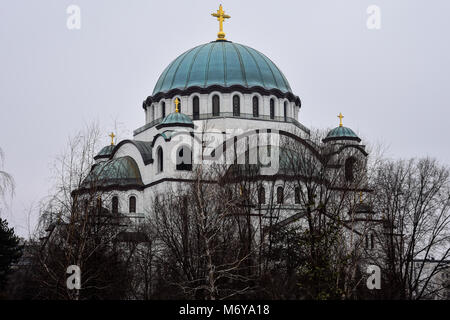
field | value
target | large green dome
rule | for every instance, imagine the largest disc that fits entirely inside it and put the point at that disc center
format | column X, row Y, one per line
column 221, row 63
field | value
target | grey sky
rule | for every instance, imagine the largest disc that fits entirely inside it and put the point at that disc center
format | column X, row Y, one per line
column 392, row 85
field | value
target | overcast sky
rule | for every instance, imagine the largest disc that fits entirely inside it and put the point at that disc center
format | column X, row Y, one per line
column 391, row 84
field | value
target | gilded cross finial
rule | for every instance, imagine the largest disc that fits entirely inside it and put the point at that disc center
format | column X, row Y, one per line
column 177, row 102
column 112, row 135
column 221, row 16
column 340, row 116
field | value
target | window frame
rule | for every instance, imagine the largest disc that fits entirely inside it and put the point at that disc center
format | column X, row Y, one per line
column 132, row 204
column 236, row 107
column 215, row 107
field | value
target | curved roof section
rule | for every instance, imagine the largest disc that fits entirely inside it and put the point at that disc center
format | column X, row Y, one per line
column 341, row 133
column 120, row 172
column 105, row 152
column 222, row 63
column 176, row 119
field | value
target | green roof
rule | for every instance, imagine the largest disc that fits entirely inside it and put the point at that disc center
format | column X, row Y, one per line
column 222, row 63
column 341, row 133
column 121, row 172
column 105, row 152
column 176, row 119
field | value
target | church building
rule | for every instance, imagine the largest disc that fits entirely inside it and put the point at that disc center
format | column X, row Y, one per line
column 222, row 88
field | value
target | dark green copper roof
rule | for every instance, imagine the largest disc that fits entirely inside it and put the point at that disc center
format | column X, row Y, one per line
column 118, row 172
column 341, row 133
column 176, row 118
column 105, row 152
column 222, row 63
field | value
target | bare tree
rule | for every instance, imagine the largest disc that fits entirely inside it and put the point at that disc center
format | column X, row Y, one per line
column 200, row 235
column 414, row 198
column 77, row 228
column 6, row 180
column 327, row 219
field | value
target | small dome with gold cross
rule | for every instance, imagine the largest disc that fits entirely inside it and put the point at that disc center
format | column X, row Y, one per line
column 176, row 119
column 341, row 133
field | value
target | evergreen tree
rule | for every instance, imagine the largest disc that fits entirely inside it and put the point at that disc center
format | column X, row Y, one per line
column 10, row 251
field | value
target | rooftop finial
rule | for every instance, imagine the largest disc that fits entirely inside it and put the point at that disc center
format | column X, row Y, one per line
column 112, row 135
column 221, row 16
column 340, row 116
column 177, row 102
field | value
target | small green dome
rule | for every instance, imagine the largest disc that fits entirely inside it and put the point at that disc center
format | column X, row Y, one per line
column 105, row 152
column 119, row 172
column 222, row 63
column 341, row 133
column 176, row 119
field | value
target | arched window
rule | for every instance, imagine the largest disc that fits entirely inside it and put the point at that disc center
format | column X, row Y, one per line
column 285, row 111
column 152, row 115
column 350, row 169
column 184, row 159
column 160, row 160
column 236, row 106
column 272, row 109
column 372, row 241
column 261, row 195
column 163, row 109
column 255, row 106
column 280, row 195
column 196, row 108
column 297, row 195
column 115, row 204
column 216, row 105
column 132, row 204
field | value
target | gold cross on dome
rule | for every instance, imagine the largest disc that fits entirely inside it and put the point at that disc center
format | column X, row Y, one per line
column 177, row 102
column 221, row 16
column 112, row 135
column 340, row 116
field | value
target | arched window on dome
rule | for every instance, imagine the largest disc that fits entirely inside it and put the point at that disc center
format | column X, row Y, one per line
column 272, row 109
column 152, row 113
column 160, row 160
column 255, row 106
column 285, row 111
column 280, row 195
column 196, row 108
column 132, row 204
column 236, row 106
column 216, row 106
column 163, row 109
column 115, row 205
column 261, row 195
column 184, row 159
column 349, row 168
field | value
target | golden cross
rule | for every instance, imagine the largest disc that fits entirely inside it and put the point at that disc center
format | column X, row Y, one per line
column 112, row 135
column 340, row 116
column 221, row 16
column 177, row 102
